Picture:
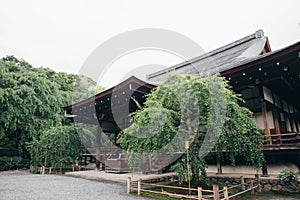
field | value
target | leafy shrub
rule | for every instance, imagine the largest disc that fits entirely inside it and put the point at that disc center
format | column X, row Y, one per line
column 290, row 179
column 57, row 147
column 8, row 152
column 10, row 163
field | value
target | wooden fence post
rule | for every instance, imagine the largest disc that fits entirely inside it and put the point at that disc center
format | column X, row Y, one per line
column 43, row 170
column 226, row 195
column 259, row 187
column 199, row 193
column 251, row 186
column 216, row 192
column 172, row 178
column 243, row 183
column 50, row 170
column 258, row 183
column 128, row 185
column 139, row 187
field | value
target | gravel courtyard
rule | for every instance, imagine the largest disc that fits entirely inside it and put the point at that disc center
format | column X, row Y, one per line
column 23, row 185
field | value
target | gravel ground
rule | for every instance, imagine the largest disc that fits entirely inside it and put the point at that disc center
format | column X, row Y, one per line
column 23, row 185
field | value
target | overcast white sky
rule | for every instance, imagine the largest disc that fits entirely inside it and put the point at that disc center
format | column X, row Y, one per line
column 61, row 34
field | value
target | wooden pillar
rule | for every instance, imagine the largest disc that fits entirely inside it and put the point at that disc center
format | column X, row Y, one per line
column 264, row 170
column 98, row 147
column 265, row 118
column 219, row 165
column 143, row 166
column 276, row 124
column 150, row 163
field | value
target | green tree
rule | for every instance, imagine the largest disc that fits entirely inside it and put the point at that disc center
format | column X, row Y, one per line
column 203, row 111
column 31, row 100
column 57, row 147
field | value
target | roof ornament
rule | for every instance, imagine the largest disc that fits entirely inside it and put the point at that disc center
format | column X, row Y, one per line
column 259, row 33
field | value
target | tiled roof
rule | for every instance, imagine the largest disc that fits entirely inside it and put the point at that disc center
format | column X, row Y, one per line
column 219, row 59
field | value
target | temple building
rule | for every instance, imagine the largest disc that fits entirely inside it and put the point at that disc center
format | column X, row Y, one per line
column 269, row 82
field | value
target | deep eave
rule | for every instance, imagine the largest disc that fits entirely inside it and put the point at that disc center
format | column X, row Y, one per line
column 111, row 90
column 275, row 56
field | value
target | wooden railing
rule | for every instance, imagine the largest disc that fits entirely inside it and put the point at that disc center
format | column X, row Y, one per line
column 286, row 140
column 251, row 187
column 105, row 152
column 199, row 193
column 187, row 193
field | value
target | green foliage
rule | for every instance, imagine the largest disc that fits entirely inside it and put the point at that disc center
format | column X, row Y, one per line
column 31, row 100
column 57, row 147
column 290, row 179
column 240, row 135
column 10, row 163
column 87, row 134
column 8, row 152
column 83, row 88
column 204, row 111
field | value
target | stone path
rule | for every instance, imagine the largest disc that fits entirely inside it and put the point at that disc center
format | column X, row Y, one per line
column 111, row 177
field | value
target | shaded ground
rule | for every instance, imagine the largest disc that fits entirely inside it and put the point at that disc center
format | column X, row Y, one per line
column 23, row 185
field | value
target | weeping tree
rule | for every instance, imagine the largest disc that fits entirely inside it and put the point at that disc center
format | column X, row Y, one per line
column 57, row 147
column 203, row 112
column 31, row 101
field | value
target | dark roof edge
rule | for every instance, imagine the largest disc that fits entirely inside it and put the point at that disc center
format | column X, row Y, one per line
column 270, row 55
column 257, row 34
column 110, row 90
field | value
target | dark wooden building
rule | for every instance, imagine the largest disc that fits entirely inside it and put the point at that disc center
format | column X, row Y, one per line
column 269, row 82
column 109, row 111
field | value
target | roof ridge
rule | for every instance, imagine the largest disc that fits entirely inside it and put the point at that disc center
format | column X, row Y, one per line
column 257, row 34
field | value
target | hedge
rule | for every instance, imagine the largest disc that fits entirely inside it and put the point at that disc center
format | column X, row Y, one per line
column 11, row 163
